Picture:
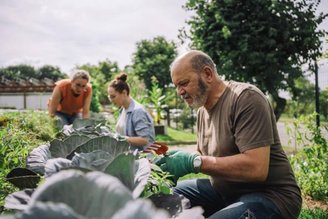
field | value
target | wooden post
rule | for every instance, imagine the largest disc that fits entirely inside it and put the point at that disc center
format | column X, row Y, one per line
column 317, row 93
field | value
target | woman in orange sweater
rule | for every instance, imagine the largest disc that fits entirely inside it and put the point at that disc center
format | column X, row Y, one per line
column 70, row 97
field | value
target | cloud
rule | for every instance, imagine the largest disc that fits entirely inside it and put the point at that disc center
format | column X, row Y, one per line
column 70, row 32
column 66, row 33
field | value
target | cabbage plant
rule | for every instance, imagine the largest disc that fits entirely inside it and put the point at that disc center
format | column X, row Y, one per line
column 66, row 148
column 74, row 194
column 91, row 173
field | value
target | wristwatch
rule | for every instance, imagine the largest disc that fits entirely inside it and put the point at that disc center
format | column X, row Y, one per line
column 197, row 163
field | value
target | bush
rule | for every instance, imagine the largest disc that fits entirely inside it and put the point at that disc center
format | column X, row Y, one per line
column 310, row 214
column 310, row 164
column 20, row 132
column 95, row 104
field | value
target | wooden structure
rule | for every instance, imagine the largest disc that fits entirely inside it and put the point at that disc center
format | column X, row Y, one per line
column 25, row 94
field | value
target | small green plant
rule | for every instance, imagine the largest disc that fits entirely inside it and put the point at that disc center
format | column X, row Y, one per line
column 157, row 98
column 313, row 213
column 310, row 163
column 158, row 183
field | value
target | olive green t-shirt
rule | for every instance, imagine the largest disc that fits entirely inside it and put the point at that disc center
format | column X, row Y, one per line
column 241, row 120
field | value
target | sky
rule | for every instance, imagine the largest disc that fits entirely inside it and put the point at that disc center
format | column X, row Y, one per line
column 66, row 33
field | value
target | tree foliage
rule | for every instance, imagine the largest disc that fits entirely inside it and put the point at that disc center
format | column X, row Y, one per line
column 264, row 42
column 323, row 99
column 153, row 58
column 26, row 72
column 303, row 103
column 51, row 72
column 101, row 74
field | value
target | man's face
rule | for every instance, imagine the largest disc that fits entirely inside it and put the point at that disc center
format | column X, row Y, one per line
column 190, row 86
column 79, row 85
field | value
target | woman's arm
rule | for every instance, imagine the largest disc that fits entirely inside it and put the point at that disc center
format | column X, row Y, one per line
column 54, row 102
column 86, row 107
column 137, row 141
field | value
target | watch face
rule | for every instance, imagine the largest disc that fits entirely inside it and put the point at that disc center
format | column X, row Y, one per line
column 197, row 164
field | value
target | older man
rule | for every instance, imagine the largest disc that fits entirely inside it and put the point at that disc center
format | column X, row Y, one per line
column 238, row 147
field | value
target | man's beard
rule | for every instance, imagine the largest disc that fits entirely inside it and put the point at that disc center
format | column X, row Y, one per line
column 200, row 98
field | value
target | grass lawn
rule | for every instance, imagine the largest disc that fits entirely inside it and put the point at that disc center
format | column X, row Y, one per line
column 174, row 135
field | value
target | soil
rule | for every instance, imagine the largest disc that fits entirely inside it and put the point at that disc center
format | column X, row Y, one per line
column 308, row 202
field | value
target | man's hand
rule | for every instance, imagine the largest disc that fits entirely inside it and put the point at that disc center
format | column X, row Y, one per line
column 177, row 163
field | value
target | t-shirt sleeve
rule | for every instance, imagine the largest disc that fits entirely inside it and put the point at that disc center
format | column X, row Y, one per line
column 142, row 124
column 253, row 122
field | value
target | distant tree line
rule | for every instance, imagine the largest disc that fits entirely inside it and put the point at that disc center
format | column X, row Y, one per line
column 26, row 72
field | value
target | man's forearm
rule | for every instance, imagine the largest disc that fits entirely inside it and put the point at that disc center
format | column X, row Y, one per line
column 245, row 167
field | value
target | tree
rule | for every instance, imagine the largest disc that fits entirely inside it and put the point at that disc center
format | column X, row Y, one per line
column 95, row 105
column 51, row 72
column 108, row 68
column 101, row 74
column 153, row 58
column 26, row 72
column 258, row 41
column 21, row 71
column 302, row 103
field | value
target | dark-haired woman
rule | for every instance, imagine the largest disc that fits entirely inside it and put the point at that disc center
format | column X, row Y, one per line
column 134, row 121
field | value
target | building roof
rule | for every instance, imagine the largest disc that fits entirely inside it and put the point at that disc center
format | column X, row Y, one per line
column 26, row 86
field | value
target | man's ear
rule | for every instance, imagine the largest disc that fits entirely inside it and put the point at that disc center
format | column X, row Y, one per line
column 208, row 74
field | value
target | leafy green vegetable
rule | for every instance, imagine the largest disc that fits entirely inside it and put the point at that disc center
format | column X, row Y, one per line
column 63, row 148
column 104, row 143
column 71, row 193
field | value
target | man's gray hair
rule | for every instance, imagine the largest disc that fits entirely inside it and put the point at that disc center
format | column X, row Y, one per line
column 200, row 60
column 80, row 73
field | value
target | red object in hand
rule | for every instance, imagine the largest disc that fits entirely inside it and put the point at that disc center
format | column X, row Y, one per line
column 157, row 147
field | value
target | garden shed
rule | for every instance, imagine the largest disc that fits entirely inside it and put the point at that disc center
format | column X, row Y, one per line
column 25, row 94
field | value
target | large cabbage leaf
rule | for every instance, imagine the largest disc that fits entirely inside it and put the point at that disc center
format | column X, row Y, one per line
column 96, row 160
column 37, row 158
column 19, row 200
column 133, row 173
column 49, row 210
column 123, row 168
column 90, row 127
column 73, row 194
column 63, row 148
column 104, row 143
column 140, row 209
column 93, row 195
column 85, row 123
column 55, row 165
column 23, row 178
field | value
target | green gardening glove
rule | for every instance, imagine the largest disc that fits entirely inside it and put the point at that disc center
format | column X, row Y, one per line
column 177, row 163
